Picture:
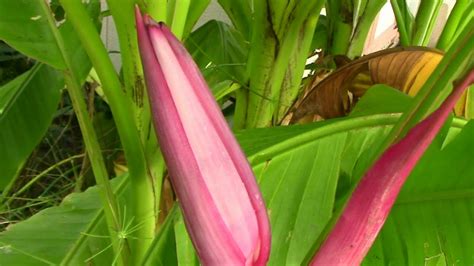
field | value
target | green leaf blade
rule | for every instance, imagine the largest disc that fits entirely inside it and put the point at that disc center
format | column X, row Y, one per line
column 26, row 117
column 26, row 28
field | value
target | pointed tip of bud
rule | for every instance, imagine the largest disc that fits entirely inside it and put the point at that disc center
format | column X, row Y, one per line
column 138, row 13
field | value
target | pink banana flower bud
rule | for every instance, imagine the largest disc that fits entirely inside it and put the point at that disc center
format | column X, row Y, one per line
column 368, row 208
column 223, row 208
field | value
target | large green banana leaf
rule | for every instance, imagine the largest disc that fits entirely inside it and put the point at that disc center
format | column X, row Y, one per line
column 25, row 27
column 28, row 103
column 298, row 168
column 27, row 106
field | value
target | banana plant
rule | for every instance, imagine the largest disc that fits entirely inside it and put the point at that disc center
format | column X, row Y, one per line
column 226, row 152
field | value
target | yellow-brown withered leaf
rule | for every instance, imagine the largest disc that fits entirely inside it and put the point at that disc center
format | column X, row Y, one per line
column 403, row 68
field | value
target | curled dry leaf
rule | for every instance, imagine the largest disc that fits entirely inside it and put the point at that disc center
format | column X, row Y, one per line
column 404, row 68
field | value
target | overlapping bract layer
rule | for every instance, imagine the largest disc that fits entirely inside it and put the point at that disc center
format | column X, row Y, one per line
column 223, row 209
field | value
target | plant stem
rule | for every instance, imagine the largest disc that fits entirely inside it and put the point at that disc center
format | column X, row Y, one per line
column 340, row 27
column 431, row 25
column 131, row 67
column 270, row 55
column 357, row 42
column 296, row 66
column 467, row 16
column 402, row 27
column 424, row 22
column 132, row 70
column 453, row 23
column 181, row 9
column 264, row 46
column 91, row 142
column 134, row 82
column 95, row 154
column 141, row 187
column 278, row 75
column 340, row 38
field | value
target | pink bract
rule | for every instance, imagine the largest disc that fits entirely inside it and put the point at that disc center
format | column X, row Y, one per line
column 223, row 208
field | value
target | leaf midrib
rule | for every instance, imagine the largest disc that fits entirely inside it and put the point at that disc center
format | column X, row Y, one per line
column 345, row 125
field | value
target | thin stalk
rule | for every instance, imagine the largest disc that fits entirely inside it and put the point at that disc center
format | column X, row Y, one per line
column 425, row 18
column 357, row 41
column 125, row 25
column 134, row 83
column 41, row 175
column 431, row 25
column 402, row 27
column 358, row 8
column 120, row 184
column 91, row 142
column 340, row 38
column 467, row 16
column 141, row 187
column 179, row 17
column 340, row 27
column 98, row 165
column 131, row 68
column 446, row 37
column 157, row 9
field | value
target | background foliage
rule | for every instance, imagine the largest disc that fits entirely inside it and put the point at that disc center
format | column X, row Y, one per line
column 62, row 102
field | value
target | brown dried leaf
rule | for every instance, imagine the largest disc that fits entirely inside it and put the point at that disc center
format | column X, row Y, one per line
column 403, row 68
